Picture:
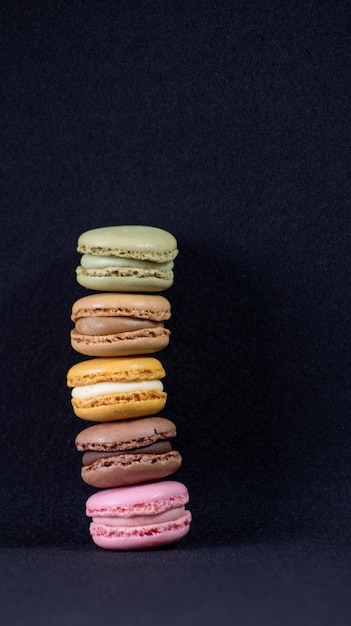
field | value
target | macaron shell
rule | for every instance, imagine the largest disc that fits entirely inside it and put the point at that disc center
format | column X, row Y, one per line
column 114, row 369
column 125, row 435
column 110, row 280
column 130, row 469
column 144, row 341
column 119, row 406
column 149, row 499
column 134, row 241
column 142, row 306
column 140, row 537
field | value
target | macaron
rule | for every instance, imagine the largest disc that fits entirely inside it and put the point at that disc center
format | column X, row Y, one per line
column 122, row 453
column 126, row 258
column 139, row 516
column 120, row 324
column 109, row 389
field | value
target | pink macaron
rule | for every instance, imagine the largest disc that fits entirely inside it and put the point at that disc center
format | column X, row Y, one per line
column 140, row 516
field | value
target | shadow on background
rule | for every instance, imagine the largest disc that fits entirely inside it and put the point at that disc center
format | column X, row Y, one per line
column 220, row 387
column 219, row 384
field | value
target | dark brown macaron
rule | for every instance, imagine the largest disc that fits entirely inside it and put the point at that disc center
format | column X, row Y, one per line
column 128, row 452
column 119, row 324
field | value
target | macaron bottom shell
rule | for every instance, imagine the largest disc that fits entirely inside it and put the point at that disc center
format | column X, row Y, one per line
column 124, row 344
column 140, row 537
column 119, row 408
column 130, row 469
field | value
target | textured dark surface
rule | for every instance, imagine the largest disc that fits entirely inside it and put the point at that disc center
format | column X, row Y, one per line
column 227, row 124
column 293, row 583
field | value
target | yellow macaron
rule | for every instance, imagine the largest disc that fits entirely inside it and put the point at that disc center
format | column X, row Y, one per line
column 109, row 389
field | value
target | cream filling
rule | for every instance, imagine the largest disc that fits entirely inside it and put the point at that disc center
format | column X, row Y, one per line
column 92, row 261
column 141, row 520
column 114, row 325
column 89, row 391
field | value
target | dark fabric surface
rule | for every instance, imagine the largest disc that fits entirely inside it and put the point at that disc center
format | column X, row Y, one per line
column 292, row 583
column 227, row 124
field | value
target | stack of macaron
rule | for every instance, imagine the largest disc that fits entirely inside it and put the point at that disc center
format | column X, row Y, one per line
column 127, row 453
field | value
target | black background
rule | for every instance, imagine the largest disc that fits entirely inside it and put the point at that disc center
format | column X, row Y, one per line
column 228, row 124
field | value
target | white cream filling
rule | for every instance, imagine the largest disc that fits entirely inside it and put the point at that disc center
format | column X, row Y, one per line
column 95, row 261
column 99, row 389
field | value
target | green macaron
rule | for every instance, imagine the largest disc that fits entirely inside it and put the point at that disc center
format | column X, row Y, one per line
column 126, row 259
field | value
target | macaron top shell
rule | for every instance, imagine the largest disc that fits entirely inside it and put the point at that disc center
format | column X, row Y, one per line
column 147, row 499
column 142, row 306
column 130, row 241
column 125, row 435
column 116, row 369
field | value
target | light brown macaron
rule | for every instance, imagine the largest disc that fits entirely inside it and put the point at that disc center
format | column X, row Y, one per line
column 128, row 452
column 120, row 324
